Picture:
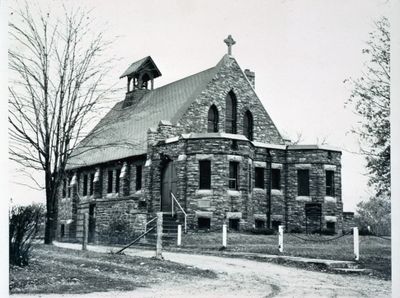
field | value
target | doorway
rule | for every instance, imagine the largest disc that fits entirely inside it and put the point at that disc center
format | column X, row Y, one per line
column 168, row 185
column 92, row 223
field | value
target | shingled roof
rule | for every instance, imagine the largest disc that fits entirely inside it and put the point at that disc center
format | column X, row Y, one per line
column 138, row 65
column 123, row 131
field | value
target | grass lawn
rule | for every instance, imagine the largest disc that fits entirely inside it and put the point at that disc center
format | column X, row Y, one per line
column 375, row 253
column 59, row 270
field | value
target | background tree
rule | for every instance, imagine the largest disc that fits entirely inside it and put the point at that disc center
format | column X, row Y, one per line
column 55, row 87
column 375, row 214
column 24, row 224
column 371, row 101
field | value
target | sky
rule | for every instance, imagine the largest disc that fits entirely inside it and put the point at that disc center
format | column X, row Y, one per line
column 301, row 52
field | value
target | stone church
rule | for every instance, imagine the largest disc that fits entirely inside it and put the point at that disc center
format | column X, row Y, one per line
column 202, row 148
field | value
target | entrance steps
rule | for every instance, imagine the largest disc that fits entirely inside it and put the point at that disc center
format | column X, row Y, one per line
column 170, row 232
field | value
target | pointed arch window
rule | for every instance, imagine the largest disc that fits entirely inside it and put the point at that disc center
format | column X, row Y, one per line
column 212, row 119
column 248, row 125
column 230, row 118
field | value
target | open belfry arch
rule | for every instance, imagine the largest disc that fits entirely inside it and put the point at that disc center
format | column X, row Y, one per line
column 140, row 73
column 204, row 151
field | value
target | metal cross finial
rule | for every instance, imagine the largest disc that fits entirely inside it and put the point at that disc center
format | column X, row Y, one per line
column 229, row 42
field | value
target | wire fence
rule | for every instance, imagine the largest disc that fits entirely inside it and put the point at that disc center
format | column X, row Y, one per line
column 319, row 240
column 382, row 237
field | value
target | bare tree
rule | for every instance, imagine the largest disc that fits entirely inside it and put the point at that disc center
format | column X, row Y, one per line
column 56, row 84
column 322, row 140
column 296, row 140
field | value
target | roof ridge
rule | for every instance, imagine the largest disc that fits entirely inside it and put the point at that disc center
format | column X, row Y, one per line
column 218, row 65
column 184, row 78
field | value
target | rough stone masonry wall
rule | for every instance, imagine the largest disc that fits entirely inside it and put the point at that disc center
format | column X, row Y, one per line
column 64, row 216
column 219, row 203
column 110, row 208
column 230, row 77
column 119, row 221
column 176, row 152
column 259, row 197
column 348, row 221
column 317, row 161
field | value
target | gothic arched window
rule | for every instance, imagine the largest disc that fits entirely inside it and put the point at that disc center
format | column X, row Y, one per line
column 212, row 119
column 248, row 125
column 230, row 118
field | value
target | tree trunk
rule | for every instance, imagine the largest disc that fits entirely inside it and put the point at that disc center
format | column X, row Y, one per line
column 52, row 211
column 48, row 224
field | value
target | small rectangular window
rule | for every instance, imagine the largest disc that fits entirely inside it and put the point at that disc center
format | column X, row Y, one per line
column 85, row 184
column 259, row 223
column 117, row 180
column 138, row 177
column 330, row 226
column 62, row 231
column 205, row 174
column 276, row 178
column 110, row 182
column 91, row 184
column 233, row 175
column 203, row 223
column 330, row 183
column 234, row 224
column 303, row 182
column 276, row 224
column 259, row 178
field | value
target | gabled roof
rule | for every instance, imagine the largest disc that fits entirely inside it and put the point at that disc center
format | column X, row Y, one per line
column 137, row 66
column 123, row 131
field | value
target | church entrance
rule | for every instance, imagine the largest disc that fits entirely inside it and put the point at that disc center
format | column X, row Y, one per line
column 168, row 185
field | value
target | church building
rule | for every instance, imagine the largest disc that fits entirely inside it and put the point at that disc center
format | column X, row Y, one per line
column 203, row 149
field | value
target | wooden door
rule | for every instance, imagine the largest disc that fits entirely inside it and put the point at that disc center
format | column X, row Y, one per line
column 168, row 185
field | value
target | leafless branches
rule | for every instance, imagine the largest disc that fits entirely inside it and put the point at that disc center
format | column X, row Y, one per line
column 56, row 86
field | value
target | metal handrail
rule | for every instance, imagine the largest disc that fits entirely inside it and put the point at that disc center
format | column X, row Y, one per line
column 147, row 223
column 134, row 241
column 180, row 207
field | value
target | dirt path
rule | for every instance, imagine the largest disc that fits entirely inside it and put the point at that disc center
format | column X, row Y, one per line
column 246, row 278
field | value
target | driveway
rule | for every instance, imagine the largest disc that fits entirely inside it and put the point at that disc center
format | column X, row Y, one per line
column 247, row 278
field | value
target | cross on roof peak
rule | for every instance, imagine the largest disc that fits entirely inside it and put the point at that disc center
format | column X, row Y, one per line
column 229, row 42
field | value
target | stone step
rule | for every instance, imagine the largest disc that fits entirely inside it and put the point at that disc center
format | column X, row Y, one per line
column 342, row 265
column 352, row 270
column 323, row 262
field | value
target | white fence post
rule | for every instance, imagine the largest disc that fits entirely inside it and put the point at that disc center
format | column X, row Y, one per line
column 185, row 224
column 179, row 235
column 280, row 239
column 356, row 244
column 159, row 235
column 224, row 234
column 85, row 231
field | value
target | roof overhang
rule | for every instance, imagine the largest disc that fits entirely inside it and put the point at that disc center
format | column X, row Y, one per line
column 145, row 64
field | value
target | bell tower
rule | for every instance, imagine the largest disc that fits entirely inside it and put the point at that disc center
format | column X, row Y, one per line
column 140, row 79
